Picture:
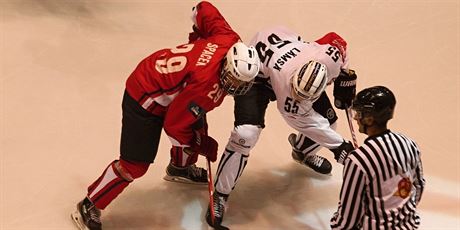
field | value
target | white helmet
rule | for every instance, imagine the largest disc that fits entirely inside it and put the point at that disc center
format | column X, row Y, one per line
column 309, row 81
column 239, row 70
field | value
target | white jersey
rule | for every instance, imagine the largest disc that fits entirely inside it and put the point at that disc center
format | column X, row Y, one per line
column 282, row 52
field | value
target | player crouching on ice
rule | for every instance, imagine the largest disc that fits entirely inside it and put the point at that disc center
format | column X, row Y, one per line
column 174, row 89
column 295, row 74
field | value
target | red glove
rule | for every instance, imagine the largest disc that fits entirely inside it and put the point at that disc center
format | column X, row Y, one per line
column 206, row 146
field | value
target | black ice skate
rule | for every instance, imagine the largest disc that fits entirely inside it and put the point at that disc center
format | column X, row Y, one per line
column 190, row 174
column 219, row 200
column 87, row 216
column 317, row 163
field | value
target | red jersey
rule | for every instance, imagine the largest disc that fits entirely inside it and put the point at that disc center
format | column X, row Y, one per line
column 184, row 81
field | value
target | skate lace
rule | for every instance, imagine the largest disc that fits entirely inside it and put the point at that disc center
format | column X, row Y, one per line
column 219, row 206
column 315, row 160
column 195, row 171
column 94, row 214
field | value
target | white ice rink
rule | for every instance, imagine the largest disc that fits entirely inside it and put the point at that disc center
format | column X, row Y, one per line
column 63, row 68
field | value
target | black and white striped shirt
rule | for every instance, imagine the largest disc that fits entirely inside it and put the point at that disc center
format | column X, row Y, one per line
column 382, row 185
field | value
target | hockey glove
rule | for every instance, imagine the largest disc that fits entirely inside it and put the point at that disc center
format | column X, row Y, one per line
column 341, row 152
column 206, row 146
column 344, row 89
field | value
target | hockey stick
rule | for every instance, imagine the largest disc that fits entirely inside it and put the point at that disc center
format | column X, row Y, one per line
column 210, row 184
column 211, row 191
column 352, row 130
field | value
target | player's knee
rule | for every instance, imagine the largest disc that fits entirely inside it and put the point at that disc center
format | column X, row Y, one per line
column 244, row 138
column 130, row 170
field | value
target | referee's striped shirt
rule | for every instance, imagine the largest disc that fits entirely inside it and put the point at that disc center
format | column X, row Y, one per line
column 382, row 185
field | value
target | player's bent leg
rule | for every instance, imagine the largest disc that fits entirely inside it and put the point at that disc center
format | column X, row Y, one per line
column 182, row 168
column 304, row 149
column 231, row 165
column 234, row 159
column 115, row 178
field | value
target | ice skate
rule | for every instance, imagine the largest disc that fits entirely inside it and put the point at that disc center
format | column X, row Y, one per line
column 317, row 163
column 219, row 210
column 189, row 175
column 87, row 216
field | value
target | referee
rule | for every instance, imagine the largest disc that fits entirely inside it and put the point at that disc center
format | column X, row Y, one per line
column 383, row 179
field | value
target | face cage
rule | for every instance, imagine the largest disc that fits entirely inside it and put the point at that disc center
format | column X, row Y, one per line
column 233, row 86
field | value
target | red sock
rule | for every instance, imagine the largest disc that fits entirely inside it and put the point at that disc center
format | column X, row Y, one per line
column 115, row 178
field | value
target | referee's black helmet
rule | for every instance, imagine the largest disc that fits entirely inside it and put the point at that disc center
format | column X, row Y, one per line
column 378, row 102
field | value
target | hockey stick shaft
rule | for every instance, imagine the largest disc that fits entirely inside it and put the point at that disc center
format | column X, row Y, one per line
column 210, row 184
column 211, row 191
column 352, row 130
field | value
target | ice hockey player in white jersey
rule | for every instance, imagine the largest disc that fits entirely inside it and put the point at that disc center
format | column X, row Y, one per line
column 295, row 74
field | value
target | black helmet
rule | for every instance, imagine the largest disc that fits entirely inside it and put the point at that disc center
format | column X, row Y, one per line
column 378, row 102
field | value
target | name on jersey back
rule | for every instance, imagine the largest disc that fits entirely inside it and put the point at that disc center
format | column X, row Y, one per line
column 207, row 54
column 285, row 57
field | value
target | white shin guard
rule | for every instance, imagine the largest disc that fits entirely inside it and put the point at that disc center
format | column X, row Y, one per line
column 230, row 168
column 243, row 138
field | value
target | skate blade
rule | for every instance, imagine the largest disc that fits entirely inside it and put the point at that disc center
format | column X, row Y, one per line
column 182, row 180
column 76, row 217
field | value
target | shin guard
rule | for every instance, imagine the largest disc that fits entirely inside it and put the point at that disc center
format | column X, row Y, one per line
column 230, row 169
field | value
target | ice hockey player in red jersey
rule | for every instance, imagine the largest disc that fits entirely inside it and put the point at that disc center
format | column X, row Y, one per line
column 173, row 89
